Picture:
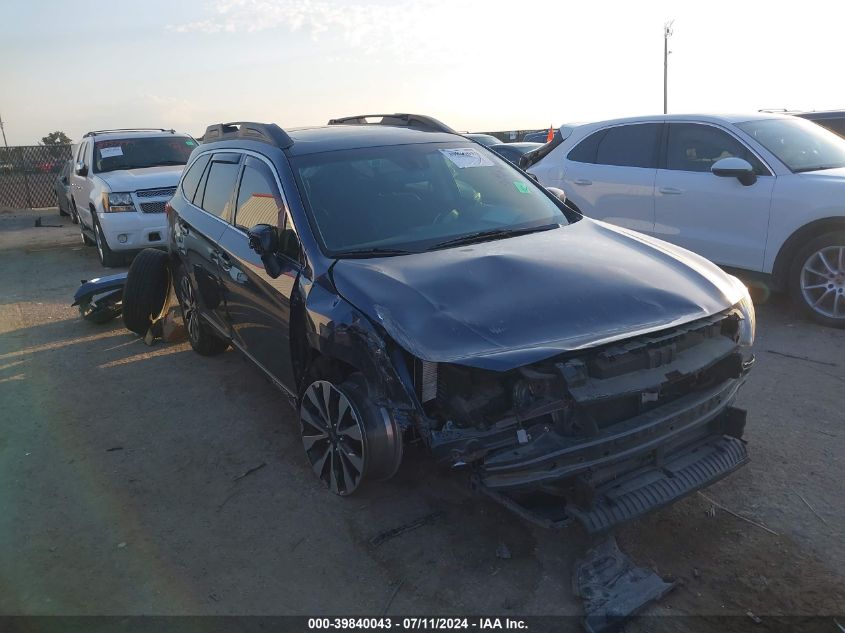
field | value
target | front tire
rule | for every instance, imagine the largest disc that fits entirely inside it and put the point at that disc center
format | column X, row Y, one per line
column 347, row 439
column 817, row 279
column 108, row 258
column 202, row 338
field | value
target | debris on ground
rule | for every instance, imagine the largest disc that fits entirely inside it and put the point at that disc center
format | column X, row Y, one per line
column 381, row 538
column 812, row 509
column 503, row 552
column 39, row 224
column 114, row 448
column 612, row 588
column 250, row 471
column 756, row 619
column 804, row 358
column 734, row 514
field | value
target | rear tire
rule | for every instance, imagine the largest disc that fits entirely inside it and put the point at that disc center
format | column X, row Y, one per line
column 202, row 338
column 817, row 279
column 147, row 288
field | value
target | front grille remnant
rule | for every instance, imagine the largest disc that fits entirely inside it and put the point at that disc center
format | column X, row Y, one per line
column 156, row 193
column 152, row 207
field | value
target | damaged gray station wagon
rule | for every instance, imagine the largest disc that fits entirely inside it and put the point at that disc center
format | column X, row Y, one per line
column 399, row 281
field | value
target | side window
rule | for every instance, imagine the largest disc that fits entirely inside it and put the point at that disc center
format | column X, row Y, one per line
column 80, row 154
column 289, row 241
column 219, row 186
column 259, row 200
column 585, row 151
column 694, row 147
column 629, row 145
column 192, row 178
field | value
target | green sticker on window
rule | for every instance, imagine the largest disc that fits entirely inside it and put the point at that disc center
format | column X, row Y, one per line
column 521, row 187
column 190, row 143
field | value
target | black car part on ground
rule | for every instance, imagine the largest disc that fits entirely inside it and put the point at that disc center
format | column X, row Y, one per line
column 100, row 300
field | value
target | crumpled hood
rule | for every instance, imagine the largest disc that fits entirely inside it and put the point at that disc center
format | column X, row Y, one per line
column 506, row 303
column 122, row 180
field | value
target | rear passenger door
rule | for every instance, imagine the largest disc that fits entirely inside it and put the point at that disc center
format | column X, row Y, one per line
column 198, row 229
column 259, row 307
column 610, row 174
column 717, row 217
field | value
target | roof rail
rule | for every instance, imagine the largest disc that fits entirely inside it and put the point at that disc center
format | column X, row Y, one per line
column 248, row 130
column 129, row 129
column 414, row 121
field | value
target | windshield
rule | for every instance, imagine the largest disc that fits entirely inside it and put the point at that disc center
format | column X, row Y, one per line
column 415, row 197
column 137, row 153
column 800, row 144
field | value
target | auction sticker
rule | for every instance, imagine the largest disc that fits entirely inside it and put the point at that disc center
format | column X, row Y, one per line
column 111, row 152
column 464, row 157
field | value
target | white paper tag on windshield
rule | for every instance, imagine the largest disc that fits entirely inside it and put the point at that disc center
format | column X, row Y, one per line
column 463, row 157
column 110, row 152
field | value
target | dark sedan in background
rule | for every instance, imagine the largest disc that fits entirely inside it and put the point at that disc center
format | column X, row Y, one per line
column 512, row 152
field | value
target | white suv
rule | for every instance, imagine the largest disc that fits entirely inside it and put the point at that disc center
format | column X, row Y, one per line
column 120, row 183
column 763, row 193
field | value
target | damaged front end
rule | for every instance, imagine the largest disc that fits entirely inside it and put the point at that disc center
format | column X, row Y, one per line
column 601, row 435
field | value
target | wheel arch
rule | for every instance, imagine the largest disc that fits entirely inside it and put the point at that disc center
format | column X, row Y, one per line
column 783, row 260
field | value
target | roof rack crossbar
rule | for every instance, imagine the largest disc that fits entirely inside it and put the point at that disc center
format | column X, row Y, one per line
column 414, row 121
column 263, row 132
column 129, row 129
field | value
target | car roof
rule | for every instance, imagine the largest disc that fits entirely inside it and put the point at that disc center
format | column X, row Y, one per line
column 707, row 118
column 329, row 138
column 816, row 115
column 122, row 135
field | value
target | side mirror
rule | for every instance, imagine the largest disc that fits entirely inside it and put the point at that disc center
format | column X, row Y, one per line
column 264, row 240
column 733, row 167
column 557, row 193
column 81, row 169
column 64, row 180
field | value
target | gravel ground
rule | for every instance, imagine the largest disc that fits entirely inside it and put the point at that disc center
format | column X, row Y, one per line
column 124, row 490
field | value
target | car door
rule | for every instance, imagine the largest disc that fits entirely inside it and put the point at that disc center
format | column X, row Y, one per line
column 717, row 217
column 259, row 305
column 198, row 229
column 80, row 183
column 610, row 174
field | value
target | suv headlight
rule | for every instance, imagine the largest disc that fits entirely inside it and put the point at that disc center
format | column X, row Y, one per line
column 747, row 326
column 115, row 202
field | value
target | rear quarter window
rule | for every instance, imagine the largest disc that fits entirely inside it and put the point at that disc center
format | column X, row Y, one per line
column 192, row 177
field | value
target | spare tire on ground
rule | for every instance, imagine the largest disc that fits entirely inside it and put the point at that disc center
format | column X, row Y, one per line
column 146, row 291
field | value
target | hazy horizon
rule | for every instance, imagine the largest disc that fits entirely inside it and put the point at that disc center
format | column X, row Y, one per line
column 476, row 66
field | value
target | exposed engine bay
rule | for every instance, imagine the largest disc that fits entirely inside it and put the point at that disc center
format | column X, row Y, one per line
column 570, row 427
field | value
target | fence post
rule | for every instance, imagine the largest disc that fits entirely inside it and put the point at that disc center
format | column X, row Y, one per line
column 28, row 194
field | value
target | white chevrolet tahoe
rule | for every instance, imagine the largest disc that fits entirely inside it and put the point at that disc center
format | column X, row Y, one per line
column 120, row 183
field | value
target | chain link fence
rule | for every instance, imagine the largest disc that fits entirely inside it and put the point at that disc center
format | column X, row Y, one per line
column 28, row 174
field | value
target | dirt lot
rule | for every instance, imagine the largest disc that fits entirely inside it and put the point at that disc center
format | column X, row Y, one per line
column 121, row 492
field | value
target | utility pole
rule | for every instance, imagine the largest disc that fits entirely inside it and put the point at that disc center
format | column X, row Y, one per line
column 2, row 129
column 667, row 33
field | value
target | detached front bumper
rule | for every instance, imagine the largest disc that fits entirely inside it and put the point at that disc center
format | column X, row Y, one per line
column 626, row 471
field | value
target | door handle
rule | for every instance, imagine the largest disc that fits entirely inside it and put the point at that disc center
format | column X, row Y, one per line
column 670, row 191
column 224, row 261
column 583, row 181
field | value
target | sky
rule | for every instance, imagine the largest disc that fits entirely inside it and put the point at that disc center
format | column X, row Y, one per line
column 477, row 66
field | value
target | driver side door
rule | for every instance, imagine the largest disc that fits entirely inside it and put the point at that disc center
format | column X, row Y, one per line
column 259, row 306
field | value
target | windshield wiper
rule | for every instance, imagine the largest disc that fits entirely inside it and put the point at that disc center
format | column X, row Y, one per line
column 491, row 234
column 363, row 253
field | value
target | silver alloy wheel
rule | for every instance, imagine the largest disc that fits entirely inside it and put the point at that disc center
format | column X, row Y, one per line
column 333, row 437
column 823, row 281
column 188, row 301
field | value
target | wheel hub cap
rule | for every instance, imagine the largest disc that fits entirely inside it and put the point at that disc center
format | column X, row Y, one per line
column 333, row 437
column 189, row 309
column 823, row 281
